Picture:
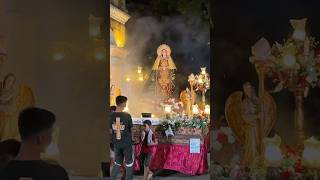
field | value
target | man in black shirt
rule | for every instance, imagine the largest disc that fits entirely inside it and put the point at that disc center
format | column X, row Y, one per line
column 120, row 127
column 35, row 128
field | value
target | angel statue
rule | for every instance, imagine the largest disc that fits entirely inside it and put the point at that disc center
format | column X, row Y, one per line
column 248, row 122
column 187, row 98
column 13, row 99
column 164, row 68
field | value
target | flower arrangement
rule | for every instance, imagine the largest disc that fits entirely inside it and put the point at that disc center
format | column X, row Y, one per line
column 291, row 166
column 299, row 59
column 177, row 121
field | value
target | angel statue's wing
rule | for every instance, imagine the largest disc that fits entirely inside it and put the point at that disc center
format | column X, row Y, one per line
column 25, row 98
column 270, row 113
column 233, row 115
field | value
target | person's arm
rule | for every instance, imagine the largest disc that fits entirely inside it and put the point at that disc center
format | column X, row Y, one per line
column 130, row 128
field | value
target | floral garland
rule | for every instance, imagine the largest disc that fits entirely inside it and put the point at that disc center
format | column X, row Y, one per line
column 177, row 121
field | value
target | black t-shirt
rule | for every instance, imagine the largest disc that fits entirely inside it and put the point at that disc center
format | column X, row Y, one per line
column 125, row 129
column 33, row 170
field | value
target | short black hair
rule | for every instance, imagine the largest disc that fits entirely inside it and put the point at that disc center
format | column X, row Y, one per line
column 147, row 122
column 113, row 108
column 121, row 99
column 10, row 147
column 33, row 120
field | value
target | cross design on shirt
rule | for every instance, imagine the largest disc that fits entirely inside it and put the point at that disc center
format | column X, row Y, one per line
column 118, row 127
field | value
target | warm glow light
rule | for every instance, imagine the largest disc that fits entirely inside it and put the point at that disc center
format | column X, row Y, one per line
column 167, row 109
column 128, row 79
column 139, row 70
column 152, row 116
column 203, row 71
column 140, row 78
column 207, row 109
column 200, row 81
column 289, row 60
column 195, row 109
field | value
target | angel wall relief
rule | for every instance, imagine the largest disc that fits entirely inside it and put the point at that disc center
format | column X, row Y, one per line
column 13, row 99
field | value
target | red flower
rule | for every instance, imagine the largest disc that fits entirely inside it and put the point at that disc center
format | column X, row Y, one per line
column 222, row 138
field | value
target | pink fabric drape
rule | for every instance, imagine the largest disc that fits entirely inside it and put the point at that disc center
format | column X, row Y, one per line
column 175, row 157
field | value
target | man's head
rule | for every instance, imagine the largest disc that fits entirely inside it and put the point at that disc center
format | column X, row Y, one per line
column 121, row 102
column 147, row 125
column 36, row 127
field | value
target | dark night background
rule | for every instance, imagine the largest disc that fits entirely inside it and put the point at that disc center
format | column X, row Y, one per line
column 237, row 26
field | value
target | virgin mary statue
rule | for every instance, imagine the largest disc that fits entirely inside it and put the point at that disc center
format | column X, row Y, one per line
column 164, row 68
